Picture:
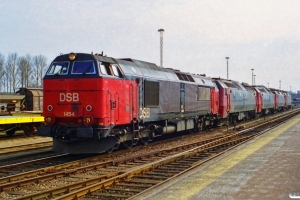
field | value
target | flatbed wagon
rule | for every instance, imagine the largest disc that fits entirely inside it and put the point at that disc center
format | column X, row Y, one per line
column 21, row 111
column 27, row 123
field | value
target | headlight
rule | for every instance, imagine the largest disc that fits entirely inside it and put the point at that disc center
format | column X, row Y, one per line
column 88, row 120
column 72, row 56
column 48, row 120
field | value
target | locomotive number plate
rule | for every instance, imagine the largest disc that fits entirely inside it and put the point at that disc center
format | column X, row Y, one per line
column 69, row 114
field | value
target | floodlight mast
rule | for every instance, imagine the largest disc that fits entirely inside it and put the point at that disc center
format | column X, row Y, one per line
column 161, row 31
column 227, row 58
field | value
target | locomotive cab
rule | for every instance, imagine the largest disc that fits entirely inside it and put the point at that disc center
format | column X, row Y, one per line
column 83, row 98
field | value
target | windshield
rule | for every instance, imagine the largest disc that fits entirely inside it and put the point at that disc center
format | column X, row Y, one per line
column 86, row 67
column 58, row 68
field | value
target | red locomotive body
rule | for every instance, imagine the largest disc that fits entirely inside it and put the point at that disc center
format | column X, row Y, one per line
column 259, row 100
column 224, row 95
column 214, row 92
column 82, row 100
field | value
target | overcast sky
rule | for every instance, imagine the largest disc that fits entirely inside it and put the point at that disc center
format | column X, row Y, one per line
column 259, row 34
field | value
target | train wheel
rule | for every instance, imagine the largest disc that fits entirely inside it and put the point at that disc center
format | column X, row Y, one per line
column 128, row 144
column 29, row 130
column 144, row 136
column 200, row 125
column 151, row 136
column 11, row 132
column 144, row 140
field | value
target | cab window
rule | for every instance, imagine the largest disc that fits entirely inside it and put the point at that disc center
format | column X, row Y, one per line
column 58, row 68
column 109, row 69
column 116, row 71
column 102, row 69
column 83, row 67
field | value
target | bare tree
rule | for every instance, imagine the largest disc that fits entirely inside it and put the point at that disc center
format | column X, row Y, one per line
column 12, row 72
column 4, row 80
column 39, row 63
column 2, row 72
column 25, row 71
column 25, row 68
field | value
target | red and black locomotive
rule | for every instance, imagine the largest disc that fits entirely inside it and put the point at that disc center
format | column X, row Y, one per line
column 94, row 103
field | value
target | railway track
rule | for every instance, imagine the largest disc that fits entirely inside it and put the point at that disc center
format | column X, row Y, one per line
column 4, row 151
column 3, row 136
column 124, row 176
column 77, row 168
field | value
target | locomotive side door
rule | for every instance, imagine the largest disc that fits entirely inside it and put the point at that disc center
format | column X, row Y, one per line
column 228, row 94
column 133, row 101
column 182, row 97
column 114, row 106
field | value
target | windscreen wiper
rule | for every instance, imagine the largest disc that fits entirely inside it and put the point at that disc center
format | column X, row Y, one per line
column 58, row 73
column 86, row 70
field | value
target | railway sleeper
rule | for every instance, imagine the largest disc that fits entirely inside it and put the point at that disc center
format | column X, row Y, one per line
column 125, row 189
column 137, row 180
column 167, row 172
column 129, row 184
column 111, row 195
column 151, row 177
column 159, row 173
column 186, row 161
column 168, row 168
column 140, row 161
column 178, row 164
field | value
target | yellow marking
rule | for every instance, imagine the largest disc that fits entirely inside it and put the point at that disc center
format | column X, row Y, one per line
column 217, row 169
column 19, row 119
column 27, row 114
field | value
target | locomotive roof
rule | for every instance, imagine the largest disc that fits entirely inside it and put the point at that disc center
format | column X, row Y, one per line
column 225, row 83
column 135, row 67
column 85, row 56
column 141, row 68
column 278, row 90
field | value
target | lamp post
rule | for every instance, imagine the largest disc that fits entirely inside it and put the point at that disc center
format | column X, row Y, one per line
column 254, row 79
column 268, row 85
column 252, row 75
column 227, row 58
column 279, row 85
column 161, row 31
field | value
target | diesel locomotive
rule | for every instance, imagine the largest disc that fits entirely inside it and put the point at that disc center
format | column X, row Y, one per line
column 94, row 103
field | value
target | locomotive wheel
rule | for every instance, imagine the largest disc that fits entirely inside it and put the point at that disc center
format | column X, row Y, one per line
column 11, row 132
column 151, row 136
column 29, row 130
column 200, row 126
column 127, row 144
column 144, row 140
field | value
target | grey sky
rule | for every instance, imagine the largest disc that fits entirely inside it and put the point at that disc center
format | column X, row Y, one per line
column 259, row 34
